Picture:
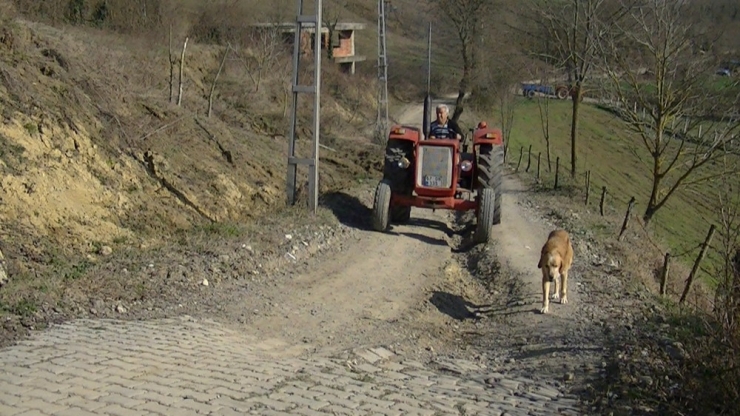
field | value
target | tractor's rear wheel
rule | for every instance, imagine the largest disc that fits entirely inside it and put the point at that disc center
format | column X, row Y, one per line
column 381, row 206
column 486, row 210
column 491, row 175
column 400, row 214
column 399, row 179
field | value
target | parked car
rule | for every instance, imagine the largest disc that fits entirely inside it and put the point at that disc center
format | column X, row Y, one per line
column 724, row 72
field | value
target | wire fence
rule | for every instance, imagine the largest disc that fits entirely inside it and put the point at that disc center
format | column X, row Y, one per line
column 590, row 189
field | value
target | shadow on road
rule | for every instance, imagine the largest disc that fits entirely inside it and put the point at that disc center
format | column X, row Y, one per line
column 423, row 238
column 352, row 212
column 455, row 306
column 431, row 224
column 349, row 210
column 428, row 224
column 542, row 351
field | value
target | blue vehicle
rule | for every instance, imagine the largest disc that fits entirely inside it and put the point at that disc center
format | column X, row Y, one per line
column 560, row 91
column 728, row 68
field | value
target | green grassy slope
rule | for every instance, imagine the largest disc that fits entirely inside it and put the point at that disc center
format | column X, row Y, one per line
column 618, row 160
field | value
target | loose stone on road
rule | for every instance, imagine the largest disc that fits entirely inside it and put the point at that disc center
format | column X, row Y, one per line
column 182, row 366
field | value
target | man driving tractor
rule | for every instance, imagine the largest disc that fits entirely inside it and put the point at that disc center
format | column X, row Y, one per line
column 443, row 127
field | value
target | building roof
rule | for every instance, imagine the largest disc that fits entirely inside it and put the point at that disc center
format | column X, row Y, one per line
column 290, row 26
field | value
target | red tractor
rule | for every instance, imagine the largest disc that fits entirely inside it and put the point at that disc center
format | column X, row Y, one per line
column 439, row 174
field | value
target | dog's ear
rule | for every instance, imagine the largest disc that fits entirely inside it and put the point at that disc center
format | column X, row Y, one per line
column 539, row 264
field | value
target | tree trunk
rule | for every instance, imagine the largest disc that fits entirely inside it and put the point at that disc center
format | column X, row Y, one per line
column 648, row 216
column 464, row 83
column 330, row 41
column 459, row 106
column 652, row 206
column 657, row 177
column 574, row 131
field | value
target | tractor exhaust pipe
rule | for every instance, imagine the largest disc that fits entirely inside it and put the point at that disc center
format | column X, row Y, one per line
column 426, row 121
column 428, row 99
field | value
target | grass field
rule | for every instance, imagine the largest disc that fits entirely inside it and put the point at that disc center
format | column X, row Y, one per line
column 618, row 160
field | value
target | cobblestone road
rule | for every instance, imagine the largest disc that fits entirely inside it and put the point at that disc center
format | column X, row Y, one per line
column 183, row 367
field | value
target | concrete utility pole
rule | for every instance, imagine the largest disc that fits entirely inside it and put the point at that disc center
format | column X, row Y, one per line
column 382, row 121
column 303, row 21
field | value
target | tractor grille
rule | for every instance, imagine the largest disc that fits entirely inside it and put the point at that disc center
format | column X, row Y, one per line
column 435, row 167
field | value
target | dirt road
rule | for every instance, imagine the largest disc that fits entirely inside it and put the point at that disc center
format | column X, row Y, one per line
column 409, row 292
column 358, row 296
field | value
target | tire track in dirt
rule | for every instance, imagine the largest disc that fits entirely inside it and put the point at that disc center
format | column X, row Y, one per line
column 374, row 291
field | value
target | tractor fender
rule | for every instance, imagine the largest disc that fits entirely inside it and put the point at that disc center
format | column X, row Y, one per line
column 487, row 135
column 405, row 133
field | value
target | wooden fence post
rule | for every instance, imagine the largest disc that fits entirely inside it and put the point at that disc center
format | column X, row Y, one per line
column 529, row 159
column 603, row 198
column 627, row 216
column 664, row 274
column 588, row 186
column 521, row 154
column 557, row 171
column 698, row 261
column 539, row 158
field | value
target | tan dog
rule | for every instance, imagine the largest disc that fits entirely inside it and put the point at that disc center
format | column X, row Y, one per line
column 555, row 261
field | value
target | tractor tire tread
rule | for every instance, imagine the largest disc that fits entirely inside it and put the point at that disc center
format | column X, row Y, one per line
column 491, row 175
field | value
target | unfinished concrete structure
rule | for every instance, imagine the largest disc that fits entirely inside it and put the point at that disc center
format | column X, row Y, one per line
column 343, row 44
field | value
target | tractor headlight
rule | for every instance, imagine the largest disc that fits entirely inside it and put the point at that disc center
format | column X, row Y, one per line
column 404, row 163
column 466, row 165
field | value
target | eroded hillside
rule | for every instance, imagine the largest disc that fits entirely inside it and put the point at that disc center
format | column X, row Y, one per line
column 92, row 151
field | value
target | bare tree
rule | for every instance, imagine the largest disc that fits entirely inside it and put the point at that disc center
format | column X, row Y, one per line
column 567, row 32
column 182, row 72
column 331, row 14
column 727, row 295
column 171, row 60
column 495, row 91
column 467, row 17
column 215, row 79
column 263, row 55
column 671, row 91
column 507, row 110
column 543, row 104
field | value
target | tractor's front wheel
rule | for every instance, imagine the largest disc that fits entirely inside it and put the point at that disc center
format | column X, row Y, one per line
column 381, row 206
column 486, row 208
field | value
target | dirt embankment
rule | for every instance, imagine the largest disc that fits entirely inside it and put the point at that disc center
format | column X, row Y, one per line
column 93, row 153
column 102, row 172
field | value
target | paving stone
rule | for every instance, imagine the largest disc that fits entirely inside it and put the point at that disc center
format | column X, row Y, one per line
column 6, row 410
column 382, row 352
column 187, row 367
column 33, row 412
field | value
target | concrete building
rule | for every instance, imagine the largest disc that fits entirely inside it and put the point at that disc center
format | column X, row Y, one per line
column 343, row 50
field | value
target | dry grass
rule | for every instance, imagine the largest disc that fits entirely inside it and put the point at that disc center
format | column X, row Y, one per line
column 93, row 153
